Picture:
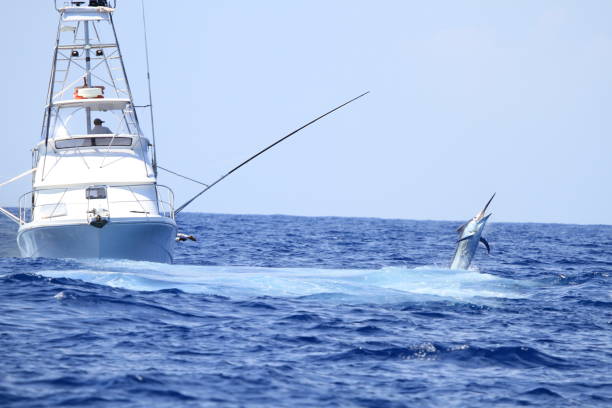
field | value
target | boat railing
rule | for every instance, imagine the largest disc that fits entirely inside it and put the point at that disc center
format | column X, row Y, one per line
column 162, row 205
column 59, row 4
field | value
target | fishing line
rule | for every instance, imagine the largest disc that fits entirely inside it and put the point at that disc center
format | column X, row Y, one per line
column 183, row 176
column 265, row 150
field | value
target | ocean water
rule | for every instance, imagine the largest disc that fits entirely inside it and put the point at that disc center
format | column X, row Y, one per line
column 279, row 311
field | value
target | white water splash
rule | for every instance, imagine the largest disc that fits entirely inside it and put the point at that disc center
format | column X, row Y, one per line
column 391, row 284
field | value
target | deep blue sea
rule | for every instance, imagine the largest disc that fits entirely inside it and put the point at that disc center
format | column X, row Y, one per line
column 280, row 311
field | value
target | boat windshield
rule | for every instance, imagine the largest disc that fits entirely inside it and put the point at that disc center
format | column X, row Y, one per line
column 92, row 142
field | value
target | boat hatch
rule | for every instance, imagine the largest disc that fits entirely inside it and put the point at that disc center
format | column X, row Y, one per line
column 95, row 193
column 93, row 142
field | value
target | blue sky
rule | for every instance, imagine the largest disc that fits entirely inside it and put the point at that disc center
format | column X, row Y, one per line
column 467, row 98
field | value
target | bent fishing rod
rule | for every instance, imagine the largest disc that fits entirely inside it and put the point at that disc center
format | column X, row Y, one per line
column 182, row 207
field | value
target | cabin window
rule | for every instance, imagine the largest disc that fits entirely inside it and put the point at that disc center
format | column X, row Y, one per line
column 94, row 193
column 93, row 141
column 116, row 141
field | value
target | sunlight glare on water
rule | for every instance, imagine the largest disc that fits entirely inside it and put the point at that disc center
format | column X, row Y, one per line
column 381, row 285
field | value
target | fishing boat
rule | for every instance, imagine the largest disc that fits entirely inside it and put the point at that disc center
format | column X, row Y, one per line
column 95, row 190
column 94, row 186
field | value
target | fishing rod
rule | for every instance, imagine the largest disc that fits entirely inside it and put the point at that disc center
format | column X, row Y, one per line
column 178, row 210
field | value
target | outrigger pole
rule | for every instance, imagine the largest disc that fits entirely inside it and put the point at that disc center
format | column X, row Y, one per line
column 182, row 207
column 146, row 44
column 49, row 109
column 6, row 212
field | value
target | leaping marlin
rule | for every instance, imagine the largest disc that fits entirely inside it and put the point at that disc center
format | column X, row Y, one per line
column 469, row 237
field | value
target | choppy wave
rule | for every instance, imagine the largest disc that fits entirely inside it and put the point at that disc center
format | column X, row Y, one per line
column 325, row 312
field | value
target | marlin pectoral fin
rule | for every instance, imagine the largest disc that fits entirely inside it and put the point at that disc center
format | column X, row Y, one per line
column 464, row 238
column 486, row 244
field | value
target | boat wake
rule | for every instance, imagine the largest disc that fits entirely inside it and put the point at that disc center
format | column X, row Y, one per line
column 390, row 284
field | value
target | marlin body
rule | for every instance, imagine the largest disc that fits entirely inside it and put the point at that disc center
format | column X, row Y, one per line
column 470, row 234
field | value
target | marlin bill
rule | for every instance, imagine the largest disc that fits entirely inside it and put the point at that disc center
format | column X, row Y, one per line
column 470, row 235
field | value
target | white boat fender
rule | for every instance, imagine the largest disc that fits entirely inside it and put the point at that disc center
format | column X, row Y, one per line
column 180, row 237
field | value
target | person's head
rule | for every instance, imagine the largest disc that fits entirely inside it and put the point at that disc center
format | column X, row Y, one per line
column 98, row 122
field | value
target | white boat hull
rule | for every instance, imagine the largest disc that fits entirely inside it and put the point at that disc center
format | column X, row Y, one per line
column 141, row 240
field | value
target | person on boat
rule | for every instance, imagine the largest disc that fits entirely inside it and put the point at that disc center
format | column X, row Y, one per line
column 98, row 129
